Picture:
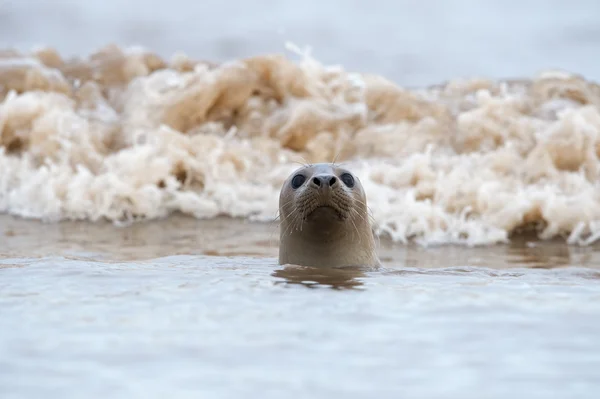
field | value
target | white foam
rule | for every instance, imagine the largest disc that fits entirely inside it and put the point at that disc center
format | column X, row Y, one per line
column 128, row 136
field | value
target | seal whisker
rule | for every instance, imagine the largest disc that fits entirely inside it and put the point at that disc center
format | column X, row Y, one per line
column 300, row 163
column 369, row 210
column 288, row 229
column 335, row 156
column 279, row 210
column 306, row 164
column 364, row 220
column 364, row 217
column 355, row 230
column 282, row 206
column 295, row 215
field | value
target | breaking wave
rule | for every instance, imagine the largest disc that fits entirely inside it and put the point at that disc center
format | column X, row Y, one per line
column 125, row 135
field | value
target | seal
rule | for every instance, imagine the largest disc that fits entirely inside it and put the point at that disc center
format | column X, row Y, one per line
column 324, row 219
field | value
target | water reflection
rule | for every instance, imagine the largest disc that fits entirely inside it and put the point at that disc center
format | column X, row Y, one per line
column 226, row 237
column 521, row 252
column 548, row 254
column 346, row 278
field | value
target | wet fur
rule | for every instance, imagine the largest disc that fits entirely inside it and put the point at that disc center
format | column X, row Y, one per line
column 325, row 227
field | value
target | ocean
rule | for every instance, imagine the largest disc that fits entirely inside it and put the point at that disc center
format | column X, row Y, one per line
column 143, row 147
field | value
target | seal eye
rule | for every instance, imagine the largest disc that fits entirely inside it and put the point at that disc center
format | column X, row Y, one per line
column 297, row 181
column 347, row 179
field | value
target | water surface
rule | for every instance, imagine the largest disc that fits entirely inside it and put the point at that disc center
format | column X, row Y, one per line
column 189, row 308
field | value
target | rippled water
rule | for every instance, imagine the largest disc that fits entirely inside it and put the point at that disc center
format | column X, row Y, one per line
column 165, row 309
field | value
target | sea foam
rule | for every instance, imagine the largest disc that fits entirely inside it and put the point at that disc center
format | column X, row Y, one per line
column 125, row 135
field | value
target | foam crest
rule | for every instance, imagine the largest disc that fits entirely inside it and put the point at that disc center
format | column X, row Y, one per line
column 124, row 135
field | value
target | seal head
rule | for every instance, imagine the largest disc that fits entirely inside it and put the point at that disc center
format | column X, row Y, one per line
column 325, row 219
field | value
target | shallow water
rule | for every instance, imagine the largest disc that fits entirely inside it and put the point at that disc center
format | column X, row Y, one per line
column 165, row 308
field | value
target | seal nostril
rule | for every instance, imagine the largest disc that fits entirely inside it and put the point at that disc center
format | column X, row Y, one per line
column 332, row 181
column 317, row 181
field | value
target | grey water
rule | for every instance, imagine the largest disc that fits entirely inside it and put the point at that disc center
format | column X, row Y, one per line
column 185, row 308
column 415, row 43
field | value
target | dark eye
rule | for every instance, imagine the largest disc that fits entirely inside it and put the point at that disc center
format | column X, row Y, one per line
column 347, row 179
column 297, row 181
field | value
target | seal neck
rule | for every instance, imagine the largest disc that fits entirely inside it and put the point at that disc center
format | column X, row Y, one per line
column 328, row 244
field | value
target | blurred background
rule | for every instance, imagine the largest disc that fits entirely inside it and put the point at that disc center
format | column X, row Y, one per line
column 413, row 42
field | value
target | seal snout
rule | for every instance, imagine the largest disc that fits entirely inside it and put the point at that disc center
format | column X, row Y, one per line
column 325, row 198
column 324, row 180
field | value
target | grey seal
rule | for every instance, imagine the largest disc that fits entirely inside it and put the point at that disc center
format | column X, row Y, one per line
column 325, row 219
